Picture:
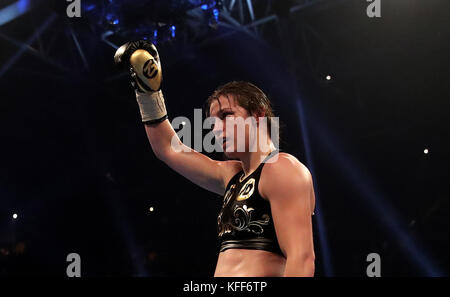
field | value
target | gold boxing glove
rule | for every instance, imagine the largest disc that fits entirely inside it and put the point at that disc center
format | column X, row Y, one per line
column 142, row 58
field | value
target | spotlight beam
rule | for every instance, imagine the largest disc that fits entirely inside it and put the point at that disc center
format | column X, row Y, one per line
column 250, row 10
column 24, row 46
column 324, row 246
column 232, row 4
column 80, row 50
column 373, row 196
column 13, row 11
column 31, row 50
column 105, row 36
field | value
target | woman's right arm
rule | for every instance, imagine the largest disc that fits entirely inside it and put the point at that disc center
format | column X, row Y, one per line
column 144, row 63
column 200, row 169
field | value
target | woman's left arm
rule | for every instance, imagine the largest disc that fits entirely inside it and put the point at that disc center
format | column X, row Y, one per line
column 287, row 184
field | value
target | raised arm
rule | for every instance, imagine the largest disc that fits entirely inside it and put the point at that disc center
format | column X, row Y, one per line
column 200, row 169
column 142, row 59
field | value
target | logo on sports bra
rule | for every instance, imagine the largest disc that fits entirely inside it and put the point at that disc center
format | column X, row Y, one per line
column 246, row 190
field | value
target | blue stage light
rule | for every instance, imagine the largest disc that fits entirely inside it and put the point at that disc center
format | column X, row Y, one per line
column 172, row 30
column 112, row 18
column 22, row 5
column 13, row 11
column 216, row 14
column 89, row 7
column 208, row 5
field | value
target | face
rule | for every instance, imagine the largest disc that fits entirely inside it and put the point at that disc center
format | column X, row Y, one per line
column 229, row 114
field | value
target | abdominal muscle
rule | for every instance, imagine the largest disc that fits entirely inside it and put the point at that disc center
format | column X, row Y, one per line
column 249, row 263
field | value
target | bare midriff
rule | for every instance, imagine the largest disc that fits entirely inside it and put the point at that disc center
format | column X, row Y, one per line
column 249, row 263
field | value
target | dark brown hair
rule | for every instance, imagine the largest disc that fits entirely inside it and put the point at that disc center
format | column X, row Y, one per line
column 248, row 96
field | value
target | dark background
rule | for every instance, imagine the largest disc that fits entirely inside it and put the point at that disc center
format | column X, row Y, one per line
column 76, row 166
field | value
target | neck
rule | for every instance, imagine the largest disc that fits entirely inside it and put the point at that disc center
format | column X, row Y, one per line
column 251, row 160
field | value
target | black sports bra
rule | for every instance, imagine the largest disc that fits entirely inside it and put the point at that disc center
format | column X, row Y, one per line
column 245, row 220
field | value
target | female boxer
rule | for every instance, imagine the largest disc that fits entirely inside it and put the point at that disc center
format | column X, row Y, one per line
column 265, row 224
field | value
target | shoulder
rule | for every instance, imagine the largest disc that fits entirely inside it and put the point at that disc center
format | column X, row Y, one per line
column 286, row 165
column 286, row 172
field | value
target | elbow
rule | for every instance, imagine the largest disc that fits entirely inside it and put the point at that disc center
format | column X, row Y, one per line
column 163, row 143
column 166, row 153
column 160, row 155
column 163, row 155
